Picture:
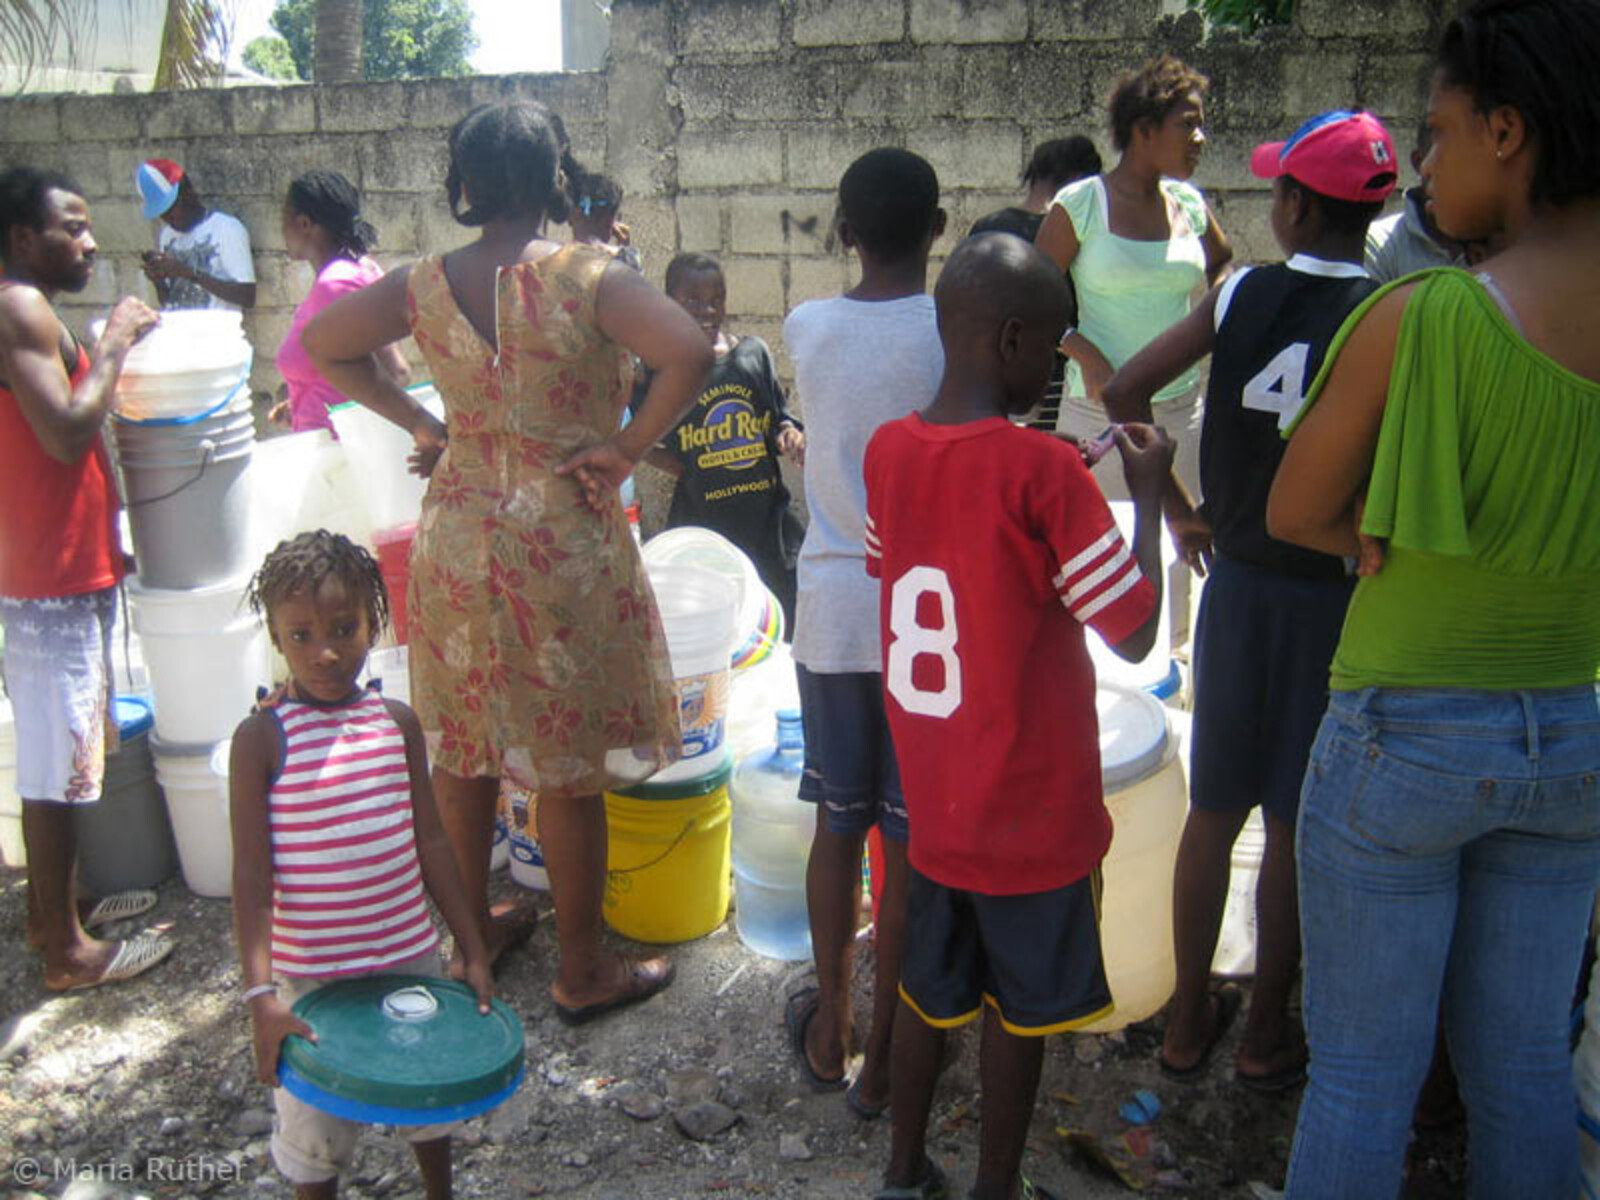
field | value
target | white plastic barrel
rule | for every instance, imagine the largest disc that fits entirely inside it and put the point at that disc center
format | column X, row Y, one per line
column 1148, row 801
column 194, row 780
column 377, row 449
column 1156, row 673
column 206, row 654
column 12, row 851
column 698, row 609
column 305, row 481
column 188, row 491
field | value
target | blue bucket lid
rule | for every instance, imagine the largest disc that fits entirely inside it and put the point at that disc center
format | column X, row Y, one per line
column 133, row 716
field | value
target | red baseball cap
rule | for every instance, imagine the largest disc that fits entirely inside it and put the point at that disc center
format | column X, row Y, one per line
column 1341, row 154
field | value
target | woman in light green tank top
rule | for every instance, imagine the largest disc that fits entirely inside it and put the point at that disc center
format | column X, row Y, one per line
column 1449, row 839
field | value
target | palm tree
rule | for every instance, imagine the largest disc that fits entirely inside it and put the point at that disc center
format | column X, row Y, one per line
column 194, row 38
column 338, row 42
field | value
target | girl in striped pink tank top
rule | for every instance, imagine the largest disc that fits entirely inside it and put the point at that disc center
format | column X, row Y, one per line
column 337, row 842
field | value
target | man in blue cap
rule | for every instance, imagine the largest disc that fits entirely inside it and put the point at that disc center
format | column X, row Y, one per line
column 202, row 257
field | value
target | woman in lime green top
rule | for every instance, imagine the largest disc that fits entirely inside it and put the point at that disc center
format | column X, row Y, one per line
column 1140, row 244
column 1449, row 837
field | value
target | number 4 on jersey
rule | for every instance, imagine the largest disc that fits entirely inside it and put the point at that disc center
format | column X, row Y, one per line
column 1281, row 386
column 908, row 639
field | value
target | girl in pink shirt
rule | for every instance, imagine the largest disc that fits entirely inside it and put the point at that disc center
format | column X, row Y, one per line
column 322, row 225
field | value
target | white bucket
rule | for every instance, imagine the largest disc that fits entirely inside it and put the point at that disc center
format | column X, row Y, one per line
column 12, row 851
column 1148, row 801
column 188, row 489
column 519, row 811
column 377, row 450
column 758, row 623
column 206, row 655
column 1236, row 941
column 391, row 665
column 183, row 366
column 1156, row 673
column 194, row 780
column 698, row 609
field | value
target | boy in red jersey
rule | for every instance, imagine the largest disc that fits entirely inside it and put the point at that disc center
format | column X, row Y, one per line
column 995, row 548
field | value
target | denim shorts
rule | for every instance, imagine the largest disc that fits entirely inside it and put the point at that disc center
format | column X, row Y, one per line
column 851, row 769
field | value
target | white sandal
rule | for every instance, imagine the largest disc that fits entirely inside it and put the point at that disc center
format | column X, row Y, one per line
column 134, row 956
column 119, row 906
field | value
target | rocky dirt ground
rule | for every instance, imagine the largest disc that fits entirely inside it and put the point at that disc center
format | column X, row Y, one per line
column 146, row 1090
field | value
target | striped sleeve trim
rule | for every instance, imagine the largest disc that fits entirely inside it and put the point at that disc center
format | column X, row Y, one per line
column 873, row 546
column 1097, row 576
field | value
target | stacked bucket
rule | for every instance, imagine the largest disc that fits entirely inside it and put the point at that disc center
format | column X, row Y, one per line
column 184, row 435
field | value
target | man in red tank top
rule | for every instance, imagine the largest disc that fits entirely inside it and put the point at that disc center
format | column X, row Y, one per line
column 60, row 558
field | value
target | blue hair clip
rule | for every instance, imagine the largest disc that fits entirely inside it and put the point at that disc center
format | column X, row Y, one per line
column 586, row 206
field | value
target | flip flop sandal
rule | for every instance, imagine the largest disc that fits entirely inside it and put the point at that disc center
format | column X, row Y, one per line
column 854, row 1102
column 797, row 1013
column 119, row 906
column 1273, row 1082
column 641, row 987
column 134, row 956
column 930, row 1187
column 1228, row 1001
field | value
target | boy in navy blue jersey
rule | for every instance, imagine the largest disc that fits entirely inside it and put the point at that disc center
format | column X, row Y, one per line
column 1271, row 613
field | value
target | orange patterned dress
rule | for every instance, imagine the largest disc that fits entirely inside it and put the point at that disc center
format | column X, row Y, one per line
column 536, row 649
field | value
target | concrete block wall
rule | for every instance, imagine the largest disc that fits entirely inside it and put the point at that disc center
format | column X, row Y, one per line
column 729, row 122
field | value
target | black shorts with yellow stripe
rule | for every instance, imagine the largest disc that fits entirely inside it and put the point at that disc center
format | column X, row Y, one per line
column 1033, row 958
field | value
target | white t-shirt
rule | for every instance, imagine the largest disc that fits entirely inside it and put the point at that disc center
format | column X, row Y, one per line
column 857, row 364
column 218, row 246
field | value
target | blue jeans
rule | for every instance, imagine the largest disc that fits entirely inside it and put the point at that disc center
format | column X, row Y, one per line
column 1449, row 850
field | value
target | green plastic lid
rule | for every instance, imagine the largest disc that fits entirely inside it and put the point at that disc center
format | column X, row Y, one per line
column 405, row 1042
column 680, row 789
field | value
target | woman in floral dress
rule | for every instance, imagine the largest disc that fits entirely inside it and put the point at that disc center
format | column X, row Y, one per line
column 536, row 650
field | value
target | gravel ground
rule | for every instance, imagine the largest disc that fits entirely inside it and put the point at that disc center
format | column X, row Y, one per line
column 146, row 1089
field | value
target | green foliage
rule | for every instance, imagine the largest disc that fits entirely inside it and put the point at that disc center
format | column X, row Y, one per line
column 400, row 39
column 1248, row 15
column 270, row 56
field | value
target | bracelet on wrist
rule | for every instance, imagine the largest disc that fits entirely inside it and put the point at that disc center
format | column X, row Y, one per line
column 260, row 989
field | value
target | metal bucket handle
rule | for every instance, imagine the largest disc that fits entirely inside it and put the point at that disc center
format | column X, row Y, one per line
column 208, row 449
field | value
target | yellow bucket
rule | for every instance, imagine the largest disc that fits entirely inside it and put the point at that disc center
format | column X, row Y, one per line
column 669, row 864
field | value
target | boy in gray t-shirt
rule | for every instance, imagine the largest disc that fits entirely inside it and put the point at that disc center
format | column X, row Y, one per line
column 861, row 359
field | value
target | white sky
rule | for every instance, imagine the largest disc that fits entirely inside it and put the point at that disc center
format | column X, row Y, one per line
column 513, row 35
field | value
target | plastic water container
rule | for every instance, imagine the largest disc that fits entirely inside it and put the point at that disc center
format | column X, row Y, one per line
column 697, row 609
column 1148, row 801
column 1236, row 941
column 12, row 851
column 188, row 488
column 195, row 782
column 305, row 481
column 125, row 840
column 755, row 695
column 394, row 562
column 772, row 830
column 520, row 808
column 206, row 654
column 193, row 359
column 1156, row 673
column 377, row 449
column 759, row 619
column 668, row 857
